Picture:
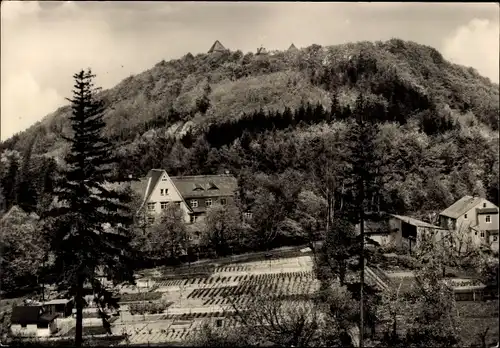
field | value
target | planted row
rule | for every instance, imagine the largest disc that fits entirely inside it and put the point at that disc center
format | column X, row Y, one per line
column 143, row 296
column 149, row 308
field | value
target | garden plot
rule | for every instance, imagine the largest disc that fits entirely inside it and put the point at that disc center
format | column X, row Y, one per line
column 158, row 332
column 198, row 298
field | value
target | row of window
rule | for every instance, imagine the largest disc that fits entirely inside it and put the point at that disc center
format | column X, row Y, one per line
column 482, row 234
column 163, row 205
column 193, row 203
column 488, row 218
column 208, row 202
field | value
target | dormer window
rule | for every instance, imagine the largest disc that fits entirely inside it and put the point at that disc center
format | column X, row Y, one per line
column 212, row 186
column 198, row 187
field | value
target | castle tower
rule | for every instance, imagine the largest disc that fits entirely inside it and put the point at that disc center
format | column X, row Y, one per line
column 217, row 47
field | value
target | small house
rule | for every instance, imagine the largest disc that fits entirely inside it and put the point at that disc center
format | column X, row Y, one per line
column 475, row 217
column 32, row 321
column 398, row 231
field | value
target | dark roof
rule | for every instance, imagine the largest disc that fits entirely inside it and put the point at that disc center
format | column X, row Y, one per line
column 211, row 185
column 460, row 207
column 292, row 48
column 141, row 185
column 487, row 211
column 415, row 222
column 26, row 315
column 217, row 47
column 376, row 227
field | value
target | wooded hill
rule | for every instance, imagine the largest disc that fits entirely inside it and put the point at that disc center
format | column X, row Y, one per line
column 280, row 116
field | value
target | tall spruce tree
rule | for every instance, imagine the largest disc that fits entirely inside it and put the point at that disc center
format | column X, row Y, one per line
column 88, row 225
column 364, row 172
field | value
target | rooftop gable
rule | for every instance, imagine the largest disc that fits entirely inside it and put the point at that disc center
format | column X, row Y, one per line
column 460, row 207
column 217, row 47
column 150, row 182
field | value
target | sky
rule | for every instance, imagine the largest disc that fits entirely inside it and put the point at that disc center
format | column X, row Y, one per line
column 44, row 43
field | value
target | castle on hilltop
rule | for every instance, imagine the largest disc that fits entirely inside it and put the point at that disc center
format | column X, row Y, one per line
column 217, row 47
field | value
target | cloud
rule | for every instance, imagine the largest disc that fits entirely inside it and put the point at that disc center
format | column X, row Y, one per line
column 476, row 44
column 23, row 101
column 14, row 10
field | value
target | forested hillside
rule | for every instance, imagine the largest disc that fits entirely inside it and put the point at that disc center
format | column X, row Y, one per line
column 286, row 115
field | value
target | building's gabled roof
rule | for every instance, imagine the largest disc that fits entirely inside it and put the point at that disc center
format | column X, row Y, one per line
column 460, row 207
column 416, row 222
column 223, row 185
column 292, row 48
column 26, row 315
column 146, row 186
column 217, row 47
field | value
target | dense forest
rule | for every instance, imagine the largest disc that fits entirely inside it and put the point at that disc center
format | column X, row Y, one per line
column 288, row 115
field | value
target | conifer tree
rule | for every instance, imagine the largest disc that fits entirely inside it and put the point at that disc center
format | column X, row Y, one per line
column 88, row 225
column 364, row 171
column 25, row 188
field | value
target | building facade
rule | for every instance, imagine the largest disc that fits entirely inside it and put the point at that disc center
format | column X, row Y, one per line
column 401, row 232
column 193, row 194
column 474, row 218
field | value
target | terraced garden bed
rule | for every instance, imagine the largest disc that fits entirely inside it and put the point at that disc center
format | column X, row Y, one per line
column 143, row 296
column 149, row 308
